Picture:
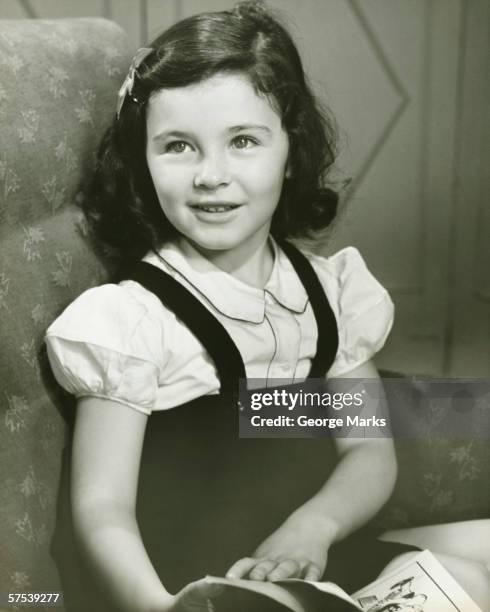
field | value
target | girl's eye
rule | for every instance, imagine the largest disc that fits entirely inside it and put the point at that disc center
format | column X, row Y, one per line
column 244, row 142
column 178, row 146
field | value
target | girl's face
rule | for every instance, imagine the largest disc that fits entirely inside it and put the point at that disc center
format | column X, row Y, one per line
column 217, row 154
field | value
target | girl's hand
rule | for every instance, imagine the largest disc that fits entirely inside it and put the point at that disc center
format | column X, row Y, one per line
column 194, row 597
column 298, row 549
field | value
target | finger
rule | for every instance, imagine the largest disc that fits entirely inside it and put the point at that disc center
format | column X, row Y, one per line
column 289, row 568
column 313, row 572
column 241, row 567
column 260, row 571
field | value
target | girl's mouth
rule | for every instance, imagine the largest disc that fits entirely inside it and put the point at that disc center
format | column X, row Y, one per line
column 218, row 207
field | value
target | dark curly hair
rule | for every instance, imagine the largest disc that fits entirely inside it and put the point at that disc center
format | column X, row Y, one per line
column 122, row 206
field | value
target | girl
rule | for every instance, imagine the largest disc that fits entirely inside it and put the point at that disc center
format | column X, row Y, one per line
column 218, row 152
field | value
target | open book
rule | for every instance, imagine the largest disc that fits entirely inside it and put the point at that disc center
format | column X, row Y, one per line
column 421, row 585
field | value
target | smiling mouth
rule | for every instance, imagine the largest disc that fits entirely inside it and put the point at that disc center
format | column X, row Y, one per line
column 218, row 207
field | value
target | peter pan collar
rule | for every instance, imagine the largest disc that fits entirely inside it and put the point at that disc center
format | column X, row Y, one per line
column 231, row 296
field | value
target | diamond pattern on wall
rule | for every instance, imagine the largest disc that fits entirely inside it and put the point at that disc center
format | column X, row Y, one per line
column 342, row 44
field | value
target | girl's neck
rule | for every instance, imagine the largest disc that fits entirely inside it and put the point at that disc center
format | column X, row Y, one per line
column 252, row 266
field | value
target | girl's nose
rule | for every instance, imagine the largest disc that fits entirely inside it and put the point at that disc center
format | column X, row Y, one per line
column 212, row 173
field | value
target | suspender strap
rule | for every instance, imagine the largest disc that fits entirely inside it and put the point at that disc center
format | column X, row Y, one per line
column 328, row 338
column 197, row 318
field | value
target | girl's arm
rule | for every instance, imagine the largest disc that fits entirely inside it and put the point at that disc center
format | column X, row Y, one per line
column 107, row 444
column 358, row 487
column 364, row 477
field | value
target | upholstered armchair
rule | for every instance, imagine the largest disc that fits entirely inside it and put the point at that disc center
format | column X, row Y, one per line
column 58, row 85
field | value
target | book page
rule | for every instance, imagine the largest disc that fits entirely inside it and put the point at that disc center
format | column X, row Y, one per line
column 308, row 588
column 292, row 594
column 241, row 594
column 422, row 585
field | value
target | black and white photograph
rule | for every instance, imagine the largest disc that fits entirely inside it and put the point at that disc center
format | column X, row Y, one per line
column 245, row 305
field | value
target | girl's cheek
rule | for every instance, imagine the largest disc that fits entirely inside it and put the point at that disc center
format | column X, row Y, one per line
column 170, row 176
column 267, row 179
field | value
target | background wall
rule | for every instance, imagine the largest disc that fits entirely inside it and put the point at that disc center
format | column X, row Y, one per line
column 407, row 81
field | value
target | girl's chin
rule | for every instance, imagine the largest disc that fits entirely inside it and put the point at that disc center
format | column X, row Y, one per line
column 219, row 244
column 215, row 239
column 231, row 239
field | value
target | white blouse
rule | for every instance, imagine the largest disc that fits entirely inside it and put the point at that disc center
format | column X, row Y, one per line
column 119, row 342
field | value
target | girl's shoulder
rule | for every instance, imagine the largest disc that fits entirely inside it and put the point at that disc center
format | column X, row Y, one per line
column 362, row 306
column 109, row 343
column 347, row 279
column 109, row 315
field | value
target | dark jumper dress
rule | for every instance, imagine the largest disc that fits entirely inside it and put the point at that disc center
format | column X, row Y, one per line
column 221, row 495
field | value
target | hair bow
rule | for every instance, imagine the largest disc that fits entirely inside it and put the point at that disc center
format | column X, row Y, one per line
column 127, row 86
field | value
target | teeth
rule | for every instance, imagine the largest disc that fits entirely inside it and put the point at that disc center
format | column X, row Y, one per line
column 213, row 209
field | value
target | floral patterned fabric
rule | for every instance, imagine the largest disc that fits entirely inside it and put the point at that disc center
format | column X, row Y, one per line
column 443, row 452
column 58, row 89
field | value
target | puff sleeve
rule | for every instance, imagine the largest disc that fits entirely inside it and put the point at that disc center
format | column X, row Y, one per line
column 363, row 308
column 106, row 344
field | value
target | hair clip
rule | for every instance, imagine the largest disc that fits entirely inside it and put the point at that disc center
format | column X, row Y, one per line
column 127, row 86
